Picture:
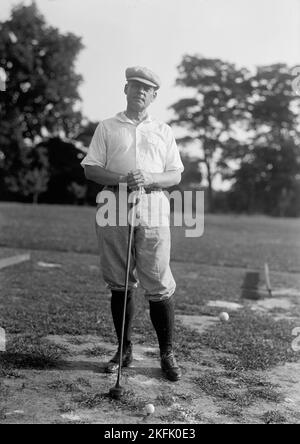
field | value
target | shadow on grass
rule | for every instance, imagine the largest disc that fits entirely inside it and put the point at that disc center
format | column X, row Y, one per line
column 99, row 367
column 40, row 361
column 27, row 361
column 148, row 372
column 95, row 367
column 31, row 352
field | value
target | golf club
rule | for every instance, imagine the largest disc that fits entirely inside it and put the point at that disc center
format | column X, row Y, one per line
column 117, row 391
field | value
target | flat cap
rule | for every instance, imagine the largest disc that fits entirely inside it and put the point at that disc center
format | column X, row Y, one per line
column 143, row 75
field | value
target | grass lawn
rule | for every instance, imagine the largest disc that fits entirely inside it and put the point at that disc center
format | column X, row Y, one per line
column 71, row 300
column 236, row 241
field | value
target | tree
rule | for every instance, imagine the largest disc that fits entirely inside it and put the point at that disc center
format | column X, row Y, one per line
column 64, row 172
column 85, row 137
column 32, row 173
column 218, row 104
column 42, row 85
column 267, row 179
column 78, row 191
column 192, row 176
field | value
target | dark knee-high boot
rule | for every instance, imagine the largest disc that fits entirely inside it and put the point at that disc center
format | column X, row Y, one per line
column 162, row 314
column 117, row 308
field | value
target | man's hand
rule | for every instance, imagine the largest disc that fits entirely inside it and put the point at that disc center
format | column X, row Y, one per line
column 139, row 178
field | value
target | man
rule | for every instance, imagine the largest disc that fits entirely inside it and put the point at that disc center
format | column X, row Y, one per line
column 135, row 149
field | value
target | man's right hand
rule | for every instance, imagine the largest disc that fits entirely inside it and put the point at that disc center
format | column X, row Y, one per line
column 132, row 182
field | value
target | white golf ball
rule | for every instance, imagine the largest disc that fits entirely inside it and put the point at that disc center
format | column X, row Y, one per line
column 150, row 409
column 224, row 317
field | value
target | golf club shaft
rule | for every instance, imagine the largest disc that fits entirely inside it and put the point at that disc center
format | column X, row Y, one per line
column 129, row 247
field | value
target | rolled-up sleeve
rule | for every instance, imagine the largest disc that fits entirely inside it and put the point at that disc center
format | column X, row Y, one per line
column 173, row 160
column 96, row 155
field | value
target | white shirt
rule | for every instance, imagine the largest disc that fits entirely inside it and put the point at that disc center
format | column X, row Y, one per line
column 119, row 145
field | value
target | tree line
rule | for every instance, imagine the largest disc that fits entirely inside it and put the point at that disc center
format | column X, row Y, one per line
column 244, row 128
column 235, row 126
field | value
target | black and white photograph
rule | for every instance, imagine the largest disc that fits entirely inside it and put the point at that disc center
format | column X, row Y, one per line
column 150, row 214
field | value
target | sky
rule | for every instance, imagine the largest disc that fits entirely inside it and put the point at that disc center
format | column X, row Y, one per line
column 157, row 33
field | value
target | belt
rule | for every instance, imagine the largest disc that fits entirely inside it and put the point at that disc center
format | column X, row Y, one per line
column 149, row 190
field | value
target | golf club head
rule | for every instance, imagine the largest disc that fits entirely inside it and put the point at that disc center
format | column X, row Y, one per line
column 116, row 392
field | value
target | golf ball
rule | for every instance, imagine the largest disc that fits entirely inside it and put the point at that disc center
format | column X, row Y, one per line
column 224, row 317
column 150, row 409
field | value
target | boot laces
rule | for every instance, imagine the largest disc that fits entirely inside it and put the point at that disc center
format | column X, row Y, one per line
column 169, row 356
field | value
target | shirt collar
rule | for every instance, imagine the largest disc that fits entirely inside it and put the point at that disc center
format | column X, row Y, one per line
column 123, row 118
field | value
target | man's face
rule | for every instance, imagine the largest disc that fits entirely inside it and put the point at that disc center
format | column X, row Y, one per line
column 139, row 95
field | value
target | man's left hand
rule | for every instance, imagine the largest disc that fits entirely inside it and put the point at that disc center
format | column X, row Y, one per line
column 139, row 178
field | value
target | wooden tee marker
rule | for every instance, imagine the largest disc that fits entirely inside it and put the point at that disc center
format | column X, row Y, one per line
column 268, row 280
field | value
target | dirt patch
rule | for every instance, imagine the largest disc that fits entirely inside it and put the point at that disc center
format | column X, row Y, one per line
column 199, row 323
column 76, row 391
column 289, row 292
column 287, row 376
column 284, row 304
column 270, row 304
column 231, row 306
